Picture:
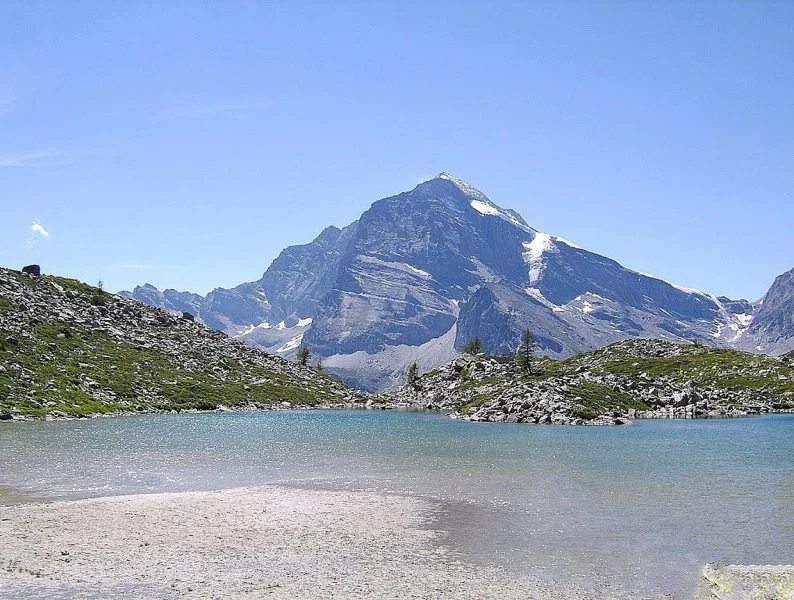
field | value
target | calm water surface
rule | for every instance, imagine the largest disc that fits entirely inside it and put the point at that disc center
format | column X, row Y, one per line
column 641, row 507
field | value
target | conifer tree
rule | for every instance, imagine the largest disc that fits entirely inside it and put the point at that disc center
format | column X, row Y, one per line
column 474, row 346
column 303, row 356
column 526, row 348
column 411, row 375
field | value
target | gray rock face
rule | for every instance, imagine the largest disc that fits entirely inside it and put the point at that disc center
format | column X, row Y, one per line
column 422, row 272
column 772, row 329
column 276, row 309
column 414, row 255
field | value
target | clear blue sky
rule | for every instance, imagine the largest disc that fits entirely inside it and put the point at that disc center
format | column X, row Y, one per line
column 186, row 143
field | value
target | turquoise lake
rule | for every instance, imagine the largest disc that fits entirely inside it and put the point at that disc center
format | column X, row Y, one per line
column 642, row 507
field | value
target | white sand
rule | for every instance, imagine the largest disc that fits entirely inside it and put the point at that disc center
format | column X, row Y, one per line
column 264, row 542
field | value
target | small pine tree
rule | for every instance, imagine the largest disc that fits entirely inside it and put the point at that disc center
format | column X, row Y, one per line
column 319, row 366
column 303, row 356
column 526, row 349
column 474, row 346
column 411, row 375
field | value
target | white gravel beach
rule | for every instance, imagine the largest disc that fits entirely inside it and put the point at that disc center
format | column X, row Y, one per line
column 262, row 542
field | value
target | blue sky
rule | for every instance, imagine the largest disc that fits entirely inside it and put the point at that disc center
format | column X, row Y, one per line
column 186, row 143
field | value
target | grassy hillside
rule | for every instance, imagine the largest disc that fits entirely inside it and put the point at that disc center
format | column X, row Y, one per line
column 67, row 348
column 708, row 367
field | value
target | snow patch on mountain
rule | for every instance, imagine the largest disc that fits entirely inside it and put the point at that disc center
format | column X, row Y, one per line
column 283, row 338
column 744, row 320
column 482, row 204
column 533, row 256
column 486, row 208
column 483, row 208
column 291, row 345
column 566, row 242
column 419, row 271
column 541, row 244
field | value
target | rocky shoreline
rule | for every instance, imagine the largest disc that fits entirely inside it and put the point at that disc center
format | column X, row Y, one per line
column 248, row 408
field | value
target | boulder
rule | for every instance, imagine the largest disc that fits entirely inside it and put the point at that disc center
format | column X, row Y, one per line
column 34, row 270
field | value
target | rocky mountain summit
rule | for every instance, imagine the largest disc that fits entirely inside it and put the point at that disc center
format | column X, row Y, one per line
column 421, row 273
column 70, row 349
column 627, row 380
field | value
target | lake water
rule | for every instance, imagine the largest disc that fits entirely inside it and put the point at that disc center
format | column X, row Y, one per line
column 641, row 507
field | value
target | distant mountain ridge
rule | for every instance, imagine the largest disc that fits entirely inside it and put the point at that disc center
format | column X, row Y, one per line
column 422, row 272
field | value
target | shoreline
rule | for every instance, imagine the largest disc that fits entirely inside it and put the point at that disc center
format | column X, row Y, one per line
column 248, row 408
column 376, row 406
column 274, row 541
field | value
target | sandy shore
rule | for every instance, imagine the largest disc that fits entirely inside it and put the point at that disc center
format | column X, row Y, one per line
column 263, row 542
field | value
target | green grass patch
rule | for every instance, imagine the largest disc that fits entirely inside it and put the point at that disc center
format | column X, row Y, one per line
column 6, row 305
column 726, row 369
column 65, row 283
column 79, row 372
column 597, row 399
column 477, row 401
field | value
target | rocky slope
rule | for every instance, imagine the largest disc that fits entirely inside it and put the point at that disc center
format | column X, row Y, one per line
column 67, row 348
column 629, row 379
column 772, row 328
column 422, row 272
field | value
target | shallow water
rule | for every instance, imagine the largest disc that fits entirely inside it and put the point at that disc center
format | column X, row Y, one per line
column 640, row 507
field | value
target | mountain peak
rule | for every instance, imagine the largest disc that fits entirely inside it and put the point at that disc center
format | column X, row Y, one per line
column 473, row 198
column 464, row 187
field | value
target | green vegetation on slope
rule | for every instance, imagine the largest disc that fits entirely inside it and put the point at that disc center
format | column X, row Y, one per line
column 592, row 399
column 707, row 367
column 79, row 372
column 6, row 305
column 67, row 347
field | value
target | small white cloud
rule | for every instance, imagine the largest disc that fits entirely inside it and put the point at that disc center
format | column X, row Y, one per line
column 37, row 227
column 37, row 233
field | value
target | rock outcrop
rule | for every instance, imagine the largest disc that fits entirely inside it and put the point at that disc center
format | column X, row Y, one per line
column 610, row 386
